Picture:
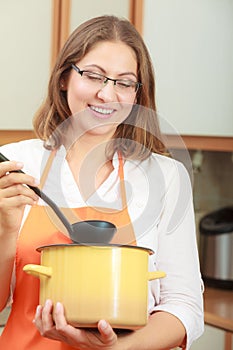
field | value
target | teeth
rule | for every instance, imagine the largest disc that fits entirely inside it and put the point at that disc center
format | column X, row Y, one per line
column 102, row 110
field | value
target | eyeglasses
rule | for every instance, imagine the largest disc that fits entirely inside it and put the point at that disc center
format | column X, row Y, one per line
column 124, row 86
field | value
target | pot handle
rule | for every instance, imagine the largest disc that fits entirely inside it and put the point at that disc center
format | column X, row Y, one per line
column 37, row 270
column 152, row 275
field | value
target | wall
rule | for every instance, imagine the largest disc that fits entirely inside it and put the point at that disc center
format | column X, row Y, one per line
column 211, row 178
column 213, row 182
column 91, row 8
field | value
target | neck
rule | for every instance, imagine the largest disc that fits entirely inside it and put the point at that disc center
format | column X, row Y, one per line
column 89, row 164
column 84, row 148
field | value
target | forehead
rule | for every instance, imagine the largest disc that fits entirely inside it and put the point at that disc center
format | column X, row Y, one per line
column 111, row 55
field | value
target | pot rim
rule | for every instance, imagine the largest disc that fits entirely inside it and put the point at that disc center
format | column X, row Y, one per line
column 39, row 249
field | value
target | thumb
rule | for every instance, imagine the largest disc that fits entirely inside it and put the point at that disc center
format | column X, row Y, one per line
column 107, row 334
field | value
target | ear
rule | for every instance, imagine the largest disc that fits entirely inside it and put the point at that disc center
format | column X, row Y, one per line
column 63, row 85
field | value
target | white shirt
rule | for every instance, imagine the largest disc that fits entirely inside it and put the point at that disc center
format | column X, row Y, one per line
column 159, row 197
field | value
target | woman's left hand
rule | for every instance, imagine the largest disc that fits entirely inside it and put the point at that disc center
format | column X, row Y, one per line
column 55, row 327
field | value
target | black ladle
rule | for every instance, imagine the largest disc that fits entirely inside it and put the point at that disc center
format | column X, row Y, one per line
column 89, row 231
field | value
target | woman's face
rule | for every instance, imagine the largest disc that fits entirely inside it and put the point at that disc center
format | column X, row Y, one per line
column 100, row 107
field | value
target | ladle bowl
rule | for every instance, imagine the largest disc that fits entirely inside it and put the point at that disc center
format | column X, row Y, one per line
column 92, row 232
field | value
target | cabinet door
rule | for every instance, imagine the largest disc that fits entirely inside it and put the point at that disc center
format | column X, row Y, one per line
column 25, row 36
column 191, row 43
column 212, row 338
column 83, row 10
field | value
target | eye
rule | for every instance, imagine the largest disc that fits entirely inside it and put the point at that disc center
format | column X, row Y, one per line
column 125, row 84
column 93, row 76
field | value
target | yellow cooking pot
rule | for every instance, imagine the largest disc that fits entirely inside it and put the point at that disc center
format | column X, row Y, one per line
column 96, row 282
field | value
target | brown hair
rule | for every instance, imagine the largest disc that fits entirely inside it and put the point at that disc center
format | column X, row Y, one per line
column 139, row 134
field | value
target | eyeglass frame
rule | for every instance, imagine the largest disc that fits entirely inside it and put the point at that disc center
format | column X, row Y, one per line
column 78, row 70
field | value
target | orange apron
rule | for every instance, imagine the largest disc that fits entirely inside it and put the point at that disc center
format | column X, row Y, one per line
column 38, row 230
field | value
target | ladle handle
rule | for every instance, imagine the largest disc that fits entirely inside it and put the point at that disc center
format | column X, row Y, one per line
column 45, row 198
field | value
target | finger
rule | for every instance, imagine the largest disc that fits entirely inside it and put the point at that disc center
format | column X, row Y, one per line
column 60, row 321
column 9, row 179
column 38, row 319
column 16, row 202
column 18, row 190
column 8, row 166
column 68, row 333
column 39, row 323
column 14, row 197
column 47, row 318
column 108, row 336
column 59, row 315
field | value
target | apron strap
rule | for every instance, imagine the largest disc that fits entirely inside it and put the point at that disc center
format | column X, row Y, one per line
column 47, row 168
column 122, row 182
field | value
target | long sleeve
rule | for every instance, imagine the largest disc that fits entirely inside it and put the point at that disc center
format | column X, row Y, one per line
column 177, row 255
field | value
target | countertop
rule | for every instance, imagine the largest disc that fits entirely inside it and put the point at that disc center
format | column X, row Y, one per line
column 218, row 306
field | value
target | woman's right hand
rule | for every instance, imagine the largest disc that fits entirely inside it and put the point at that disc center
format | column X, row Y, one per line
column 14, row 195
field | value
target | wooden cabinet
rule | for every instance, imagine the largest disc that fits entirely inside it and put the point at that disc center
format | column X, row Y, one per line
column 213, row 338
column 25, row 37
column 218, row 335
column 192, row 49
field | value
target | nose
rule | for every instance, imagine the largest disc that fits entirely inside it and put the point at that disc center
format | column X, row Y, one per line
column 107, row 92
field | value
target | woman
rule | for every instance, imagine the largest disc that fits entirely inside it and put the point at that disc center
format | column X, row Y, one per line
column 97, row 130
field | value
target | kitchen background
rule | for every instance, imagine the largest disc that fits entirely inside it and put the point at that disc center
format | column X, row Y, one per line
column 192, row 50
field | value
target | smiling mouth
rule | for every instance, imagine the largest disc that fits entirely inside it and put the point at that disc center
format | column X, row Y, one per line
column 102, row 111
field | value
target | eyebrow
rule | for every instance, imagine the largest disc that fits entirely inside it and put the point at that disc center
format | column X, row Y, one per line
column 104, row 72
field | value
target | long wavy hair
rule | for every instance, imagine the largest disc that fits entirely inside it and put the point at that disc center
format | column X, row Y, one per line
column 139, row 134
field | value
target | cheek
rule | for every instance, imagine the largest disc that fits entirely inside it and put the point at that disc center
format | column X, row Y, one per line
column 131, row 100
column 77, row 96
